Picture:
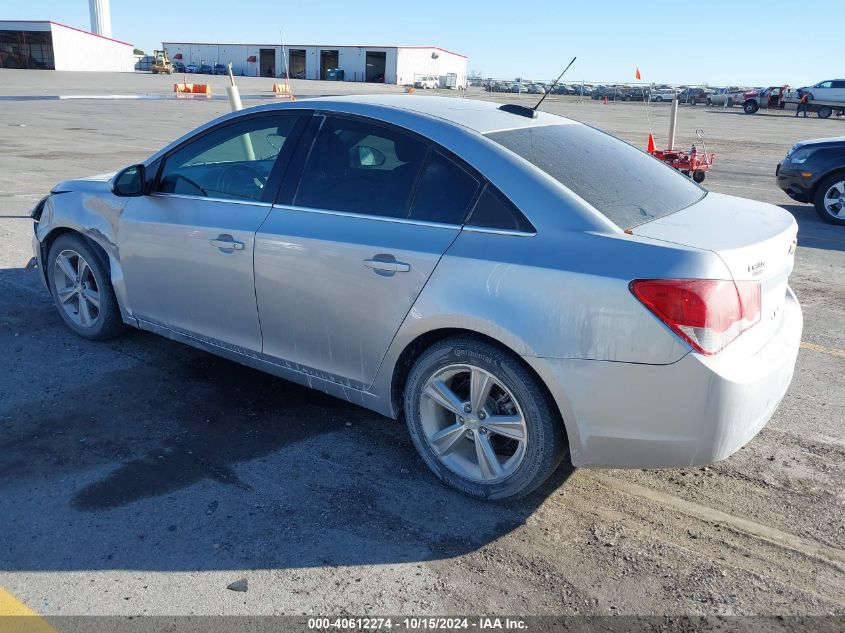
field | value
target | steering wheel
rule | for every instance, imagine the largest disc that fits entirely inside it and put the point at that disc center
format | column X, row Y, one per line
column 241, row 178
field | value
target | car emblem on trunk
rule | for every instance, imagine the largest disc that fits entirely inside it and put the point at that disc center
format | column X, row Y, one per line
column 757, row 269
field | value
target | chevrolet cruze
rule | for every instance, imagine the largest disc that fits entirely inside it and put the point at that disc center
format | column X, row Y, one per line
column 521, row 287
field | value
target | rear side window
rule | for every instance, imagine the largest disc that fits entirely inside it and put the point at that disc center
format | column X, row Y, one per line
column 623, row 183
column 360, row 167
column 494, row 211
column 444, row 193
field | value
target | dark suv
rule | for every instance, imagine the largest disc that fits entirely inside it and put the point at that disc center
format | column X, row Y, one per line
column 814, row 171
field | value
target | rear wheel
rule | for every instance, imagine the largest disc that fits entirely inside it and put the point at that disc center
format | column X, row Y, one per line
column 481, row 421
column 825, row 112
column 81, row 288
column 698, row 175
column 750, row 107
column 830, row 199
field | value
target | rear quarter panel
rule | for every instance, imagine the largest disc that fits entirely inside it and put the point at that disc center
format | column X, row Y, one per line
column 554, row 295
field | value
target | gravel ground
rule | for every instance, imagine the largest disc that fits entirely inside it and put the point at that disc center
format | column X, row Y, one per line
column 143, row 477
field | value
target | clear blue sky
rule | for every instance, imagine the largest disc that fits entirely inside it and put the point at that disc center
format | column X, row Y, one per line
column 742, row 42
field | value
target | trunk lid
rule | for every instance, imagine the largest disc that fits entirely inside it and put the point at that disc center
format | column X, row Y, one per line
column 755, row 240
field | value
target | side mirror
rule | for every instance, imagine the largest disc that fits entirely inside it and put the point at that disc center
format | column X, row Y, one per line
column 129, row 182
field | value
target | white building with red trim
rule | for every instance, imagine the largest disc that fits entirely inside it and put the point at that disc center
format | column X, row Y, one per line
column 52, row 46
column 388, row 64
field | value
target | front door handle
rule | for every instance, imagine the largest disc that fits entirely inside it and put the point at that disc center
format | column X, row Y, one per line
column 387, row 265
column 227, row 243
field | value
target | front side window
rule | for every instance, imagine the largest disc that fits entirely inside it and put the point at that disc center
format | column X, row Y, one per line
column 361, row 167
column 624, row 184
column 825, row 84
column 231, row 163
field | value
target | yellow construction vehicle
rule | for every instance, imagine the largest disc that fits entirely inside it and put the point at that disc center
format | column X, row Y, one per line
column 162, row 63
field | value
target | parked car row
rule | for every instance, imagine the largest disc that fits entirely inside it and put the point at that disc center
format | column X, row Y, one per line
column 201, row 69
column 532, row 87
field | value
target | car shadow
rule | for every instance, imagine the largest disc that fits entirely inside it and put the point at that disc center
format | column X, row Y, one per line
column 813, row 232
column 141, row 453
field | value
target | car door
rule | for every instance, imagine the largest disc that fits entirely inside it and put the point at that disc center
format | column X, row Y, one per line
column 838, row 90
column 187, row 247
column 342, row 257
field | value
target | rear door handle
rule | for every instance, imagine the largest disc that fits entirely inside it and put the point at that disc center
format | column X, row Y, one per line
column 227, row 242
column 387, row 266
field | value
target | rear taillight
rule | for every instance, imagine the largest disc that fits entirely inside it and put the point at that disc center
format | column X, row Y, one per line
column 706, row 313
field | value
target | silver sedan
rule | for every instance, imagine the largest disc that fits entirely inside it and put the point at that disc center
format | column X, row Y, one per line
column 522, row 287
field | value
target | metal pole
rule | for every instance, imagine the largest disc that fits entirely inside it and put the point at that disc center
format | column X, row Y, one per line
column 235, row 103
column 673, row 121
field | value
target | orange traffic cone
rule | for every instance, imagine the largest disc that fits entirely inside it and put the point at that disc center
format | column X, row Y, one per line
column 651, row 147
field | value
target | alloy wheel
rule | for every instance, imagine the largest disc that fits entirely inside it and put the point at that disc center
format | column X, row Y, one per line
column 473, row 423
column 834, row 200
column 76, row 288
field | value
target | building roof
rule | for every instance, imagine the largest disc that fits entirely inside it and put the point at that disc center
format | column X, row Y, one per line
column 323, row 46
column 481, row 116
column 65, row 26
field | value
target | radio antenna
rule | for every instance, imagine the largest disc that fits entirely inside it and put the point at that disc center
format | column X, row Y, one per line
column 546, row 94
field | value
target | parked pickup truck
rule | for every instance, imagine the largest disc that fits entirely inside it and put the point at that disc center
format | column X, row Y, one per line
column 726, row 97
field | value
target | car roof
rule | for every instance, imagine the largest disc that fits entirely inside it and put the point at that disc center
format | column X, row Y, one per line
column 480, row 116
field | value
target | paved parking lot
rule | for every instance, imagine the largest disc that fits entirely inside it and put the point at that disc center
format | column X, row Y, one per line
column 141, row 476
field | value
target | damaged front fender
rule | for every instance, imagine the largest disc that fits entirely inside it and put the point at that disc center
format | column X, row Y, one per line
column 93, row 212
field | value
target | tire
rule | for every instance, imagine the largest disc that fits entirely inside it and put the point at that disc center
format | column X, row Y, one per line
column 824, row 112
column 103, row 320
column 658, row 98
column 750, row 107
column 834, row 181
column 521, row 465
column 699, row 176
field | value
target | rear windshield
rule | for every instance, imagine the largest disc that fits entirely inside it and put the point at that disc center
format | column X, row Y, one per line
column 625, row 184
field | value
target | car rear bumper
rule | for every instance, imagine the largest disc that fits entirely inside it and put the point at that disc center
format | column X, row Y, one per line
column 696, row 411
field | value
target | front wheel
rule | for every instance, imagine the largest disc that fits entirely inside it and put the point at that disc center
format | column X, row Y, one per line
column 830, row 199
column 750, row 107
column 699, row 175
column 480, row 420
column 81, row 287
